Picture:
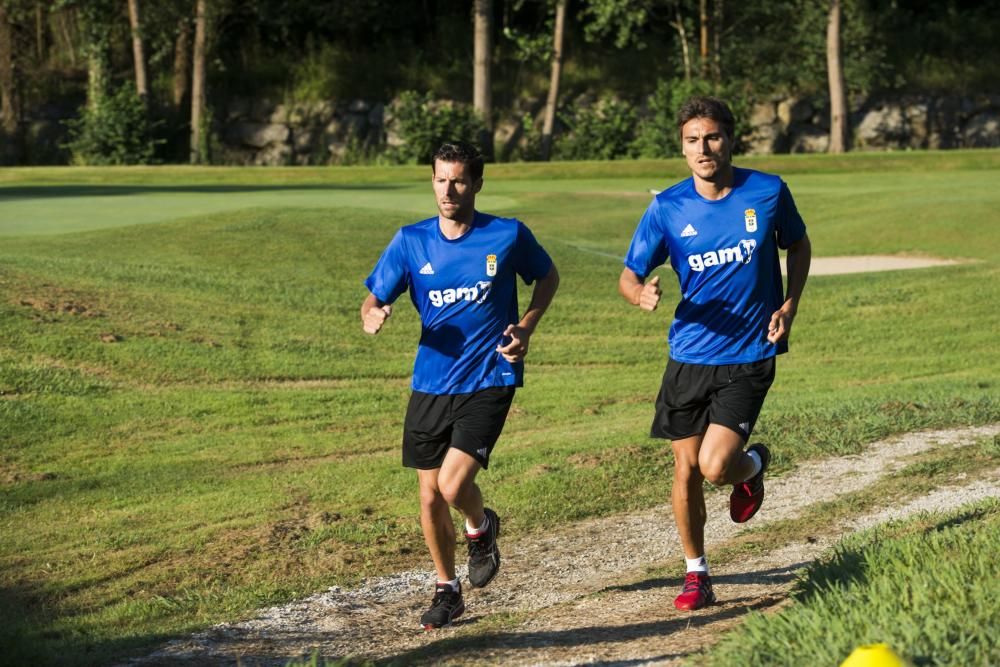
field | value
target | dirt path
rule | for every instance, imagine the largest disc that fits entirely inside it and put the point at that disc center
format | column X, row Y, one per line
column 582, row 594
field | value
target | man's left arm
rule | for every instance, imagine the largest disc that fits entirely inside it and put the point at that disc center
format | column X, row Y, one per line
column 520, row 333
column 799, row 258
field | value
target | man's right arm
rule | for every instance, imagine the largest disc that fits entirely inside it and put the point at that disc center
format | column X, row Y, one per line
column 374, row 313
column 633, row 290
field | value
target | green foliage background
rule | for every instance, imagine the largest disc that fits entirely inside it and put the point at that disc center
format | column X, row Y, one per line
column 625, row 52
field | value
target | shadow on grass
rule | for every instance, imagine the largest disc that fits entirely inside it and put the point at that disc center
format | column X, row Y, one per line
column 779, row 575
column 977, row 513
column 455, row 647
column 849, row 566
column 30, row 635
column 51, row 191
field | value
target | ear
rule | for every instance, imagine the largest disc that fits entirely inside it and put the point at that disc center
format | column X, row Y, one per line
column 477, row 186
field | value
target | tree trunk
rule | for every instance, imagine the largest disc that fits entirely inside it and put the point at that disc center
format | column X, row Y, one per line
column 67, row 45
column 718, row 21
column 835, row 76
column 39, row 33
column 138, row 53
column 553, row 98
column 182, row 63
column 10, row 106
column 482, row 97
column 198, row 150
column 703, row 11
column 678, row 25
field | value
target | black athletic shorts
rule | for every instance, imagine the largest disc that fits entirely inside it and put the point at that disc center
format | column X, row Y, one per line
column 469, row 422
column 693, row 396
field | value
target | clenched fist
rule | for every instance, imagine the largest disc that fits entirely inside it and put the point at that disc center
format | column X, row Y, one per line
column 375, row 317
column 649, row 297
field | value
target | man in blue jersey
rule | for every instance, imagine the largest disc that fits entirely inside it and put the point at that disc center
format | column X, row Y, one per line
column 460, row 268
column 721, row 230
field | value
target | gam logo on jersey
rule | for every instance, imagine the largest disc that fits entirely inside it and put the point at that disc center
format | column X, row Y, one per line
column 742, row 252
column 750, row 218
column 491, row 265
column 477, row 293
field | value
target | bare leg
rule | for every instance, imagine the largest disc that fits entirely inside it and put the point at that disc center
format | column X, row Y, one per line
column 688, row 497
column 457, row 481
column 717, row 456
column 435, row 520
column 721, row 458
column 451, row 485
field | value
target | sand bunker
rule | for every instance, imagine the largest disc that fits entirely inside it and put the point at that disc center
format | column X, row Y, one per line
column 829, row 266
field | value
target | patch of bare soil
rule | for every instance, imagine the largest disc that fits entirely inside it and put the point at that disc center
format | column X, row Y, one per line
column 69, row 306
column 582, row 593
column 829, row 266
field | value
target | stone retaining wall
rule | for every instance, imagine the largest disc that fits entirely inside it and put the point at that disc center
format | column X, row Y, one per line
column 799, row 125
column 260, row 132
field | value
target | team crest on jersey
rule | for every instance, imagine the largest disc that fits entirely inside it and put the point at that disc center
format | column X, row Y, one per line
column 750, row 218
column 491, row 265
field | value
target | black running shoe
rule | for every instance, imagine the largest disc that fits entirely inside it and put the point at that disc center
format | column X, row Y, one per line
column 446, row 606
column 484, row 556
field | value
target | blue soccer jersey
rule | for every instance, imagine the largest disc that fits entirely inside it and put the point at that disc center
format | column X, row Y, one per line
column 466, row 293
column 725, row 254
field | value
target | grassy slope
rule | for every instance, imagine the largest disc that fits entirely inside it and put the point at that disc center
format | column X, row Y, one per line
column 239, row 444
column 926, row 587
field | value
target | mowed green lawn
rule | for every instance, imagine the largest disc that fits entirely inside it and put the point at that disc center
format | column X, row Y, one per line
column 193, row 424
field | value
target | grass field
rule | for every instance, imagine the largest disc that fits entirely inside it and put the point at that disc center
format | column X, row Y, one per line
column 926, row 586
column 193, row 424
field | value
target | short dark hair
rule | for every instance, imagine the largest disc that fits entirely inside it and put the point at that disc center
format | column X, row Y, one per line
column 462, row 152
column 703, row 106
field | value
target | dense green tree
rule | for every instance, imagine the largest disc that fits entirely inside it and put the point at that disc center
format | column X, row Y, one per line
column 99, row 20
column 57, row 54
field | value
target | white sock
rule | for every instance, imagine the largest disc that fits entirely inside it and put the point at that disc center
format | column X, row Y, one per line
column 757, row 463
column 469, row 530
column 699, row 564
column 454, row 583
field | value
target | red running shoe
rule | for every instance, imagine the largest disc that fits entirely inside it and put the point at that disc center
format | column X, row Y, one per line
column 697, row 592
column 748, row 496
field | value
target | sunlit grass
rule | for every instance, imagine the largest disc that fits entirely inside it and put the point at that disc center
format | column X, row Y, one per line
column 193, row 424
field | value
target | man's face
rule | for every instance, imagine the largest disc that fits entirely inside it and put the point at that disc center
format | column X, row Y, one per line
column 706, row 148
column 455, row 191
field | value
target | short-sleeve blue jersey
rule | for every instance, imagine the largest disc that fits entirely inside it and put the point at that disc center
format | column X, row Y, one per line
column 725, row 254
column 465, row 291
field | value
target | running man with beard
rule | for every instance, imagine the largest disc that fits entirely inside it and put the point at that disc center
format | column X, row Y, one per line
column 460, row 268
column 721, row 230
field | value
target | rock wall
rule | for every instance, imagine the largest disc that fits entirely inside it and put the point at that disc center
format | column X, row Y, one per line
column 801, row 125
column 257, row 132
column 262, row 132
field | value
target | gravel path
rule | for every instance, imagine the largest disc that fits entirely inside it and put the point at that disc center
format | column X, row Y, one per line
column 583, row 590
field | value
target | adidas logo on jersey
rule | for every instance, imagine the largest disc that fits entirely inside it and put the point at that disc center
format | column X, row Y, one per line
column 427, row 270
column 738, row 253
column 689, row 231
column 439, row 297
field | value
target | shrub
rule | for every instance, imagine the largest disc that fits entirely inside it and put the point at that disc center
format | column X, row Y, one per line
column 605, row 131
column 423, row 124
column 116, row 132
